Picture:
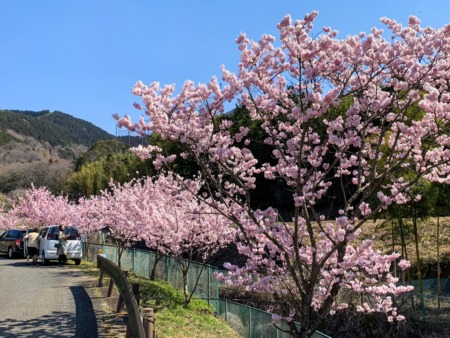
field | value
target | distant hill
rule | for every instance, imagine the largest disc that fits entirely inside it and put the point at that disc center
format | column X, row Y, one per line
column 42, row 147
column 56, row 128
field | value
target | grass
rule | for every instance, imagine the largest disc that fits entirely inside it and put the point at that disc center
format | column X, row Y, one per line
column 381, row 233
column 173, row 319
column 386, row 240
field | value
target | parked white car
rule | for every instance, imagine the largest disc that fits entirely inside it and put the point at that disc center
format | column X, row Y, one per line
column 49, row 237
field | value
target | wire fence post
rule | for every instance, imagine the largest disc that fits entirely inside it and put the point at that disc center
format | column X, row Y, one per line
column 217, row 291
column 226, row 311
column 250, row 329
column 423, row 306
column 166, row 268
column 208, row 284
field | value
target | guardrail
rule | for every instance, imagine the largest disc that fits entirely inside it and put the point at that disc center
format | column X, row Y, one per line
column 142, row 262
column 139, row 328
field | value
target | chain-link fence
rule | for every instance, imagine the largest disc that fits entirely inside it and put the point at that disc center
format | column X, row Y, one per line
column 429, row 307
column 431, row 286
column 245, row 320
column 253, row 323
column 166, row 268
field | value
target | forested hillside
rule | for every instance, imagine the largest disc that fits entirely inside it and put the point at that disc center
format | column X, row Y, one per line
column 56, row 128
column 42, row 147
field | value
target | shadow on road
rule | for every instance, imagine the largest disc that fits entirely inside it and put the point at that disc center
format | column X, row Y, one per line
column 58, row 324
column 86, row 324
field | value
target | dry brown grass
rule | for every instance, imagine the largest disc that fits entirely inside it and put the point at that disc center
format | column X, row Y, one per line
column 380, row 232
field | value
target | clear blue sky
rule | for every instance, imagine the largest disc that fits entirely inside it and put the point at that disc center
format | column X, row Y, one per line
column 83, row 57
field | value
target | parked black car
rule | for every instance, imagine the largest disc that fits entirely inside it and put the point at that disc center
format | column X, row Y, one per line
column 11, row 242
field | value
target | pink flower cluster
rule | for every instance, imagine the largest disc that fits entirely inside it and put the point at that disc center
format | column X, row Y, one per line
column 360, row 119
column 342, row 118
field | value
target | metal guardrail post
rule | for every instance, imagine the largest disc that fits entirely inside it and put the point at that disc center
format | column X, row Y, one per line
column 119, row 278
column 148, row 321
column 110, row 288
column 100, row 280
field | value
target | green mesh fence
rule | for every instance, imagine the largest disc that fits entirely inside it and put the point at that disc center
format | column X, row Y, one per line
column 90, row 251
column 248, row 321
column 127, row 260
column 245, row 320
column 430, row 286
column 429, row 307
column 110, row 252
column 254, row 323
column 145, row 263
column 142, row 263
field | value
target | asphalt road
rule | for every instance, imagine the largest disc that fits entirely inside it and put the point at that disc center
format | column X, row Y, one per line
column 44, row 301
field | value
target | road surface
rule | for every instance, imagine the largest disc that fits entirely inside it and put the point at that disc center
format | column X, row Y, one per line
column 44, row 301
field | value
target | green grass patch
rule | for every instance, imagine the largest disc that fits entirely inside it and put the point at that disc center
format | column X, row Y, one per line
column 173, row 318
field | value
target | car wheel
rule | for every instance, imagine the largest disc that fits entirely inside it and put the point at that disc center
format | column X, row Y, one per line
column 44, row 260
column 10, row 252
column 77, row 261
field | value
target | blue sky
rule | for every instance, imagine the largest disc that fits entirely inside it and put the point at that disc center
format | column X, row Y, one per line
column 83, row 57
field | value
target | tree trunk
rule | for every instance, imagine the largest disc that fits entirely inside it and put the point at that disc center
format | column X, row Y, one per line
column 158, row 257
column 404, row 249
column 438, row 265
column 120, row 250
column 393, row 247
column 418, row 264
column 405, row 256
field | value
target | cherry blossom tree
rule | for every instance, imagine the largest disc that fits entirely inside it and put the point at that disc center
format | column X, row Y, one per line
column 347, row 119
column 116, row 209
column 38, row 206
column 7, row 220
column 88, row 214
column 184, row 227
column 161, row 212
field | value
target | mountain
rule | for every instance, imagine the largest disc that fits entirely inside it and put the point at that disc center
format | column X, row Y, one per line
column 41, row 147
column 56, row 128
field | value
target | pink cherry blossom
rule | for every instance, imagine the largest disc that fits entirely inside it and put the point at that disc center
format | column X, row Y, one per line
column 38, row 207
column 341, row 117
column 404, row 264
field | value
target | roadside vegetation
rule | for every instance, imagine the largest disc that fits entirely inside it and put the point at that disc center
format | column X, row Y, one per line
column 330, row 134
column 173, row 318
